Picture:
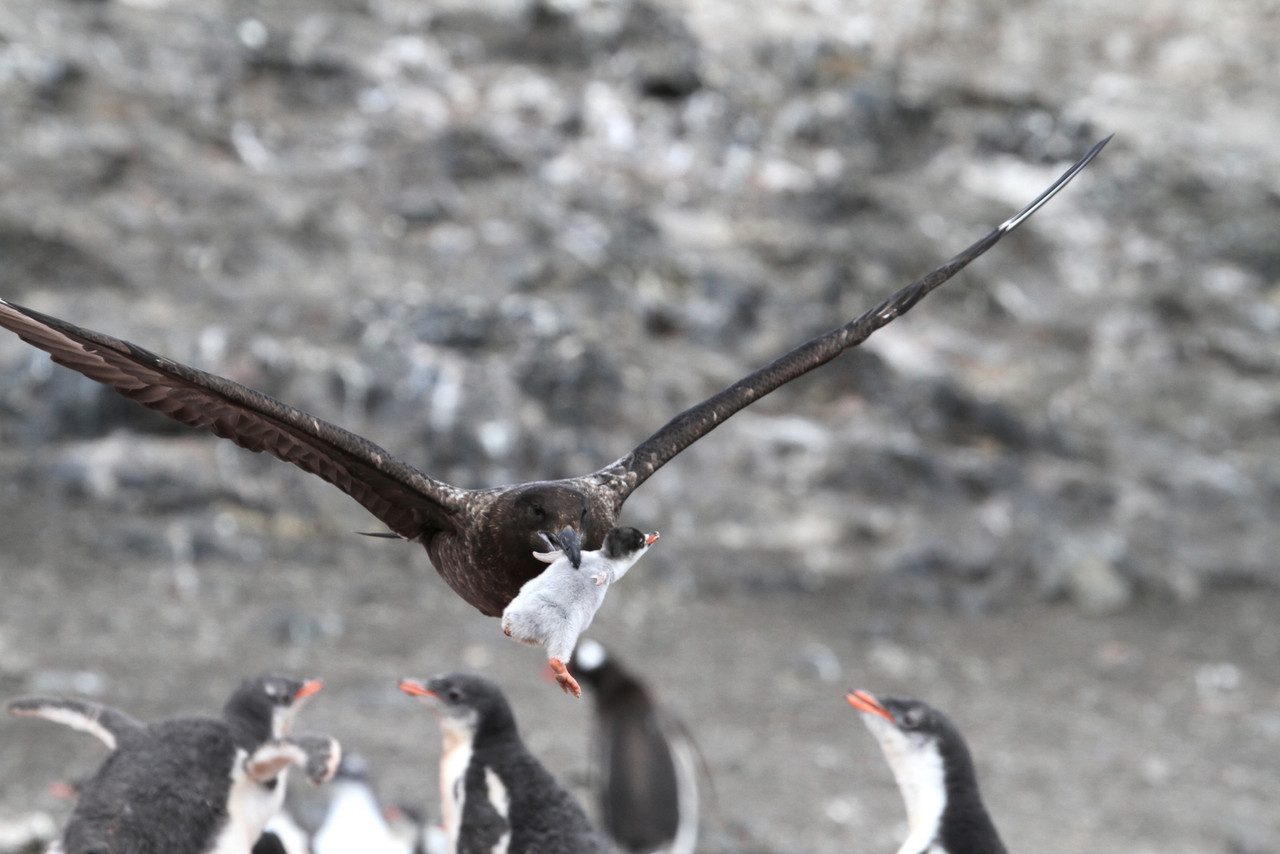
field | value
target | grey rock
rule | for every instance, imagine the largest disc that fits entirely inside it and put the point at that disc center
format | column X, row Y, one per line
column 1097, row 587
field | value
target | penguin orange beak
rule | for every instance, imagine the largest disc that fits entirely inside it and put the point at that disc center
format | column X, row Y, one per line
column 414, row 688
column 864, row 702
column 650, row 538
column 311, row 686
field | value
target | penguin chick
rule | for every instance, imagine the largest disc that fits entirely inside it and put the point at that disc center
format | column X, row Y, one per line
column 647, row 761
column 495, row 795
column 194, row 785
column 552, row 609
column 934, row 771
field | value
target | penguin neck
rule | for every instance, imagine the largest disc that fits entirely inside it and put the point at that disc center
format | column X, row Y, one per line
column 965, row 823
column 616, row 690
column 921, row 778
column 249, row 729
column 456, row 733
column 617, row 567
column 944, row 809
column 496, row 726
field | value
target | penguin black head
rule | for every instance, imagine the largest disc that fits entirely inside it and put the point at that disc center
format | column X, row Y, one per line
column 625, row 542
column 263, row 708
column 935, row 773
column 467, row 705
column 915, row 719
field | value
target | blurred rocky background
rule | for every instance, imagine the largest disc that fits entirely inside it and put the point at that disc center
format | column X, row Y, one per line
column 508, row 240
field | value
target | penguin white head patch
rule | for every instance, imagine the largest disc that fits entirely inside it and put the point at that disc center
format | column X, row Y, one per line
column 589, row 655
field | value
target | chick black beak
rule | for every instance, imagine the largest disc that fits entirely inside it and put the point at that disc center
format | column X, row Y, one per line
column 570, row 542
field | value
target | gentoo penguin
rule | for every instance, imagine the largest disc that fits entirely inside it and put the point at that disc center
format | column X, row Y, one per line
column 193, row 785
column 554, row 608
column 931, row 763
column 354, row 821
column 480, row 540
column 495, row 795
column 647, row 762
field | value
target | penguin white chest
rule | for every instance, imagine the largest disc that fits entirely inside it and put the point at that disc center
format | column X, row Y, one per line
column 454, row 762
column 250, row 805
column 919, row 770
column 500, row 798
